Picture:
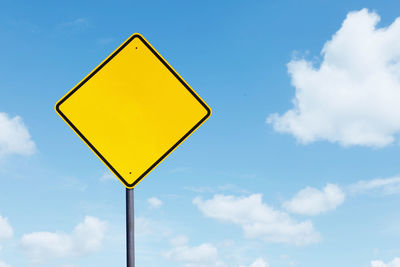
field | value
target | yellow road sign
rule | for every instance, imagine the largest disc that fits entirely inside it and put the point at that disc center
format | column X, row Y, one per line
column 133, row 110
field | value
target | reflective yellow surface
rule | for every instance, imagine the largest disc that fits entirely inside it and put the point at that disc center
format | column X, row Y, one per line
column 133, row 110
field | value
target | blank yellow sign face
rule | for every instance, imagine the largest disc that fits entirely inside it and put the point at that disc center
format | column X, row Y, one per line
column 133, row 110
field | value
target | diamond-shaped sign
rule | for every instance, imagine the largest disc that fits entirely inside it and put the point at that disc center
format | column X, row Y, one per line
column 133, row 110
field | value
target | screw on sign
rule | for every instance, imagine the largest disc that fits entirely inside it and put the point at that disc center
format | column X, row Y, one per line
column 132, row 111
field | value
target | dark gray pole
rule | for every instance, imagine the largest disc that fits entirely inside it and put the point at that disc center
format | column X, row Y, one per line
column 130, row 228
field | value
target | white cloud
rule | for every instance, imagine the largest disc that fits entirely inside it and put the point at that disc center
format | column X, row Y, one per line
column 394, row 263
column 180, row 170
column 388, row 186
column 72, row 183
column 105, row 41
column 154, row 202
column 107, row 176
column 14, row 137
column 3, row 264
column 204, row 255
column 147, row 229
column 312, row 201
column 258, row 220
column 353, row 97
column 260, row 263
column 87, row 237
column 217, row 189
column 6, row 230
column 179, row 240
column 76, row 24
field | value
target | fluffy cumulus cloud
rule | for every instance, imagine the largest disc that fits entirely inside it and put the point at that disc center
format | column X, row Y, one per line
column 14, row 136
column 154, row 202
column 87, row 237
column 353, row 96
column 204, row 255
column 394, row 263
column 312, row 201
column 258, row 220
column 387, row 186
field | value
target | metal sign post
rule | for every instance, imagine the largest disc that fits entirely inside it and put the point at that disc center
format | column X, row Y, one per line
column 132, row 111
column 130, row 228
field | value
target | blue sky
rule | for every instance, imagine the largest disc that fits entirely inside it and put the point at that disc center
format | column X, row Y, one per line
column 297, row 166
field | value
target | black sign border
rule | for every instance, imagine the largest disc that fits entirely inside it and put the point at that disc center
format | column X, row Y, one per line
column 57, row 107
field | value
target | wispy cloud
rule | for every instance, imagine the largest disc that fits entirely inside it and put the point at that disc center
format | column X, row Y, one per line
column 107, row 176
column 147, row 228
column 154, row 202
column 180, row 170
column 387, row 186
column 76, row 24
column 72, row 183
column 105, row 41
column 217, row 189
